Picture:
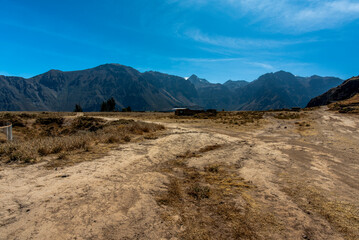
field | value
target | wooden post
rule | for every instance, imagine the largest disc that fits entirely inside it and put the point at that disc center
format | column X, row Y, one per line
column 9, row 136
column 8, row 131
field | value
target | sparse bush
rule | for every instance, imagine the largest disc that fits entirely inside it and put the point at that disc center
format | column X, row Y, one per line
column 62, row 156
column 113, row 139
column 51, row 134
column 78, row 108
column 212, row 168
column 287, row 115
column 87, row 123
column 209, row 148
column 42, row 151
column 51, row 120
column 126, row 138
column 198, row 192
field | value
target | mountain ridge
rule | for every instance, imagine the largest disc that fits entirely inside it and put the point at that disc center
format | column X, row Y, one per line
column 57, row 90
column 346, row 90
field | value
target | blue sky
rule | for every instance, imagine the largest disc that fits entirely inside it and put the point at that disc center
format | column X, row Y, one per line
column 216, row 40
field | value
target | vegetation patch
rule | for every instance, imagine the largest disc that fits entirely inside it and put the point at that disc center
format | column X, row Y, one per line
column 344, row 217
column 287, row 115
column 211, row 203
column 56, row 137
column 346, row 106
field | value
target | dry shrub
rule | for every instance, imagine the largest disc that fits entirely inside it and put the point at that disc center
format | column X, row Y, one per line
column 239, row 118
column 62, row 156
column 287, row 115
column 209, row 148
column 204, row 202
column 173, row 194
column 198, row 191
column 113, row 139
column 87, row 123
column 47, row 134
column 50, row 120
column 15, row 152
column 343, row 216
column 126, row 138
column 213, row 168
column 15, row 120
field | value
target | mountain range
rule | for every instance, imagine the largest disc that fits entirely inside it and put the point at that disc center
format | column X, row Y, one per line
column 346, row 90
column 154, row 91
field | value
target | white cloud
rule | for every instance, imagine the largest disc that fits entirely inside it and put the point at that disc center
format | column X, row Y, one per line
column 219, row 60
column 262, row 65
column 331, row 14
column 240, row 43
column 296, row 16
column 207, row 59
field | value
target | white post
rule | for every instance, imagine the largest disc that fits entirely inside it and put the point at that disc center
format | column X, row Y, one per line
column 10, row 133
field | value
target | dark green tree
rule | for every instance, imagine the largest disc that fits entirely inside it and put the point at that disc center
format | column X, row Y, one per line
column 78, row 108
column 128, row 109
column 109, row 105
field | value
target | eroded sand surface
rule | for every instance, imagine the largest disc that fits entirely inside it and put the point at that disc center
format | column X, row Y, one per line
column 300, row 174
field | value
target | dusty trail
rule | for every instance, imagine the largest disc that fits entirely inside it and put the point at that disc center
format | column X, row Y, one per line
column 296, row 174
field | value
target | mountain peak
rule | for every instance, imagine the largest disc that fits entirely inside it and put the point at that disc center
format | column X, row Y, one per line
column 235, row 84
column 197, row 81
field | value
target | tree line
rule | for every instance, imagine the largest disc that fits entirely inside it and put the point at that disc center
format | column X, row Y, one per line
column 106, row 106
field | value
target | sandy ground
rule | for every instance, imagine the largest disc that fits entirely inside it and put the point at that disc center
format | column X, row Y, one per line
column 304, row 176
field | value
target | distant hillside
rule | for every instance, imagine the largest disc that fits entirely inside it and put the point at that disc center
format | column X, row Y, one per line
column 210, row 95
column 154, row 91
column 60, row 91
column 281, row 90
column 346, row 90
column 234, row 85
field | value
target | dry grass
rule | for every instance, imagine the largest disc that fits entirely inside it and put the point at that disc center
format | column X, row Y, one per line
column 239, row 118
column 346, row 106
column 344, row 217
column 287, row 115
column 224, row 118
column 37, row 136
column 206, row 201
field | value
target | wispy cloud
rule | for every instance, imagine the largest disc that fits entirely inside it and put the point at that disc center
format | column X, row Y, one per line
column 240, row 43
column 207, row 59
column 287, row 15
column 245, row 61
column 262, row 65
column 307, row 15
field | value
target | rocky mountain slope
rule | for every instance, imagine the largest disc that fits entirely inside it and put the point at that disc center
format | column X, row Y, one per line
column 154, row 91
column 281, row 90
column 60, row 91
column 346, row 90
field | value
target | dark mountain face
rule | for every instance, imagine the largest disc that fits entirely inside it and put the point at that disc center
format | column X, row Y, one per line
column 18, row 94
column 210, row 95
column 234, row 85
column 346, row 90
column 198, row 82
column 280, row 90
column 175, row 87
column 60, row 91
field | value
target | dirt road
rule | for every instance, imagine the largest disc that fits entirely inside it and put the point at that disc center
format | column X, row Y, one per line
column 305, row 172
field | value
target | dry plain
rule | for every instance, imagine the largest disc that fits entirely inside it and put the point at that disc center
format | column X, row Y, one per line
column 256, row 175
